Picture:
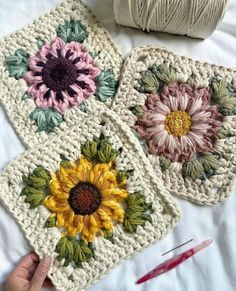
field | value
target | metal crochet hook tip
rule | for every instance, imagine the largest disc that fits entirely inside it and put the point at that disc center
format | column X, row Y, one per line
column 177, row 247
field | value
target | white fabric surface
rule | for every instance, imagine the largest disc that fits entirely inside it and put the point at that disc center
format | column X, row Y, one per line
column 212, row 270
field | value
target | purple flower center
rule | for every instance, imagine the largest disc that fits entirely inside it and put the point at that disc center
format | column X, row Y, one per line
column 59, row 73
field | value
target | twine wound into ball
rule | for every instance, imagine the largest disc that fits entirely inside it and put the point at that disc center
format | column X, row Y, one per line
column 194, row 18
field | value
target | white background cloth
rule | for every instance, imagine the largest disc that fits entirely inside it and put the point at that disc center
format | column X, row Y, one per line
column 211, row 270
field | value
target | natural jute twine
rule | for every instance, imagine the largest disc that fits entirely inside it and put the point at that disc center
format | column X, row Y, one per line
column 194, row 18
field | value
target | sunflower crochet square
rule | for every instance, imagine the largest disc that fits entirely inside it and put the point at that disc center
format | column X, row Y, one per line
column 184, row 114
column 52, row 68
column 89, row 203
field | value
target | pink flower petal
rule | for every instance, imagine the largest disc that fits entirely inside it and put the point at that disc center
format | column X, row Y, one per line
column 183, row 102
column 58, row 44
column 31, row 78
column 90, row 87
column 33, row 61
column 196, row 105
column 45, row 50
column 93, row 72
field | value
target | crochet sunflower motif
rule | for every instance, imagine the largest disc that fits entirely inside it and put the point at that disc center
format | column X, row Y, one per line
column 86, row 197
column 180, row 111
column 67, row 62
column 90, row 203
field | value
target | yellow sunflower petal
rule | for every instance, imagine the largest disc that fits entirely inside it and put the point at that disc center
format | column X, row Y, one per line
column 65, row 219
column 78, row 223
column 107, row 224
column 72, row 231
column 111, row 204
column 91, row 177
column 60, row 220
column 83, row 170
column 115, row 194
column 118, row 214
column 65, row 178
column 54, row 204
column 103, row 214
column 56, row 188
column 87, row 235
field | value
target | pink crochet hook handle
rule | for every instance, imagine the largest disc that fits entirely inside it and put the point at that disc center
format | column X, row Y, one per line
column 174, row 262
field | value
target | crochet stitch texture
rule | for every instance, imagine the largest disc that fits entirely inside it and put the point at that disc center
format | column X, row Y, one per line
column 90, row 203
column 184, row 113
column 50, row 69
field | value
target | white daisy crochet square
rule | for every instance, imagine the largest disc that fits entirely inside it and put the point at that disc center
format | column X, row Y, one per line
column 50, row 69
column 88, row 199
column 184, row 114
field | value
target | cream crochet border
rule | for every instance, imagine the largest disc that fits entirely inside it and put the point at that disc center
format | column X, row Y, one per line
column 11, row 90
column 218, row 187
column 107, row 255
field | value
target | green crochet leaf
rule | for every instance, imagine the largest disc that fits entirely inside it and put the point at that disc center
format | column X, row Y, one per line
column 65, row 250
column 17, row 64
column 72, row 249
column 36, row 189
column 165, row 73
column 99, row 150
column 149, row 82
column 46, row 119
column 51, row 221
column 193, row 169
column 72, row 31
column 222, row 96
column 65, row 163
column 106, row 85
column 82, row 107
column 25, row 96
column 164, row 163
column 83, row 252
column 39, row 42
column 137, row 212
column 123, row 175
column 108, row 234
column 137, row 110
column 210, row 162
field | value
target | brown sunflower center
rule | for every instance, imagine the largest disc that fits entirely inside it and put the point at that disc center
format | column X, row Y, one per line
column 59, row 73
column 84, row 198
column 178, row 123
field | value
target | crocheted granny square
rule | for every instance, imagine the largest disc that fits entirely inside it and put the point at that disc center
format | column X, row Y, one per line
column 88, row 199
column 184, row 114
column 50, row 69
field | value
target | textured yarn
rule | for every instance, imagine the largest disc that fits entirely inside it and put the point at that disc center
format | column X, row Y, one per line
column 186, row 17
column 37, row 99
column 107, row 252
column 184, row 114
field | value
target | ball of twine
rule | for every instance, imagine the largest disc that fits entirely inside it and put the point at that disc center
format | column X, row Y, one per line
column 194, row 18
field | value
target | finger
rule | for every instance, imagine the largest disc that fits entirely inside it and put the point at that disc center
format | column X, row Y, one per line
column 22, row 268
column 31, row 271
column 47, row 283
column 40, row 274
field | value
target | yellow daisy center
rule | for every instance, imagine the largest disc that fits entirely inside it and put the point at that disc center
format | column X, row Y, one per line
column 178, row 123
column 84, row 198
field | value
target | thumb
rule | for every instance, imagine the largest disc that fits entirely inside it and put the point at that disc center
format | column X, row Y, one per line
column 40, row 274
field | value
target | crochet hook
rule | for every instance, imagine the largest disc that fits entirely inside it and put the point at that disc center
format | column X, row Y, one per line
column 174, row 262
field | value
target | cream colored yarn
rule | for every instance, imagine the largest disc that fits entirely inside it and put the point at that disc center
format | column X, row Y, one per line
column 11, row 90
column 214, row 189
column 106, row 254
column 194, row 18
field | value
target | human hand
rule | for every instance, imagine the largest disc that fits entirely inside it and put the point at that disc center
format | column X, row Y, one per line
column 30, row 274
